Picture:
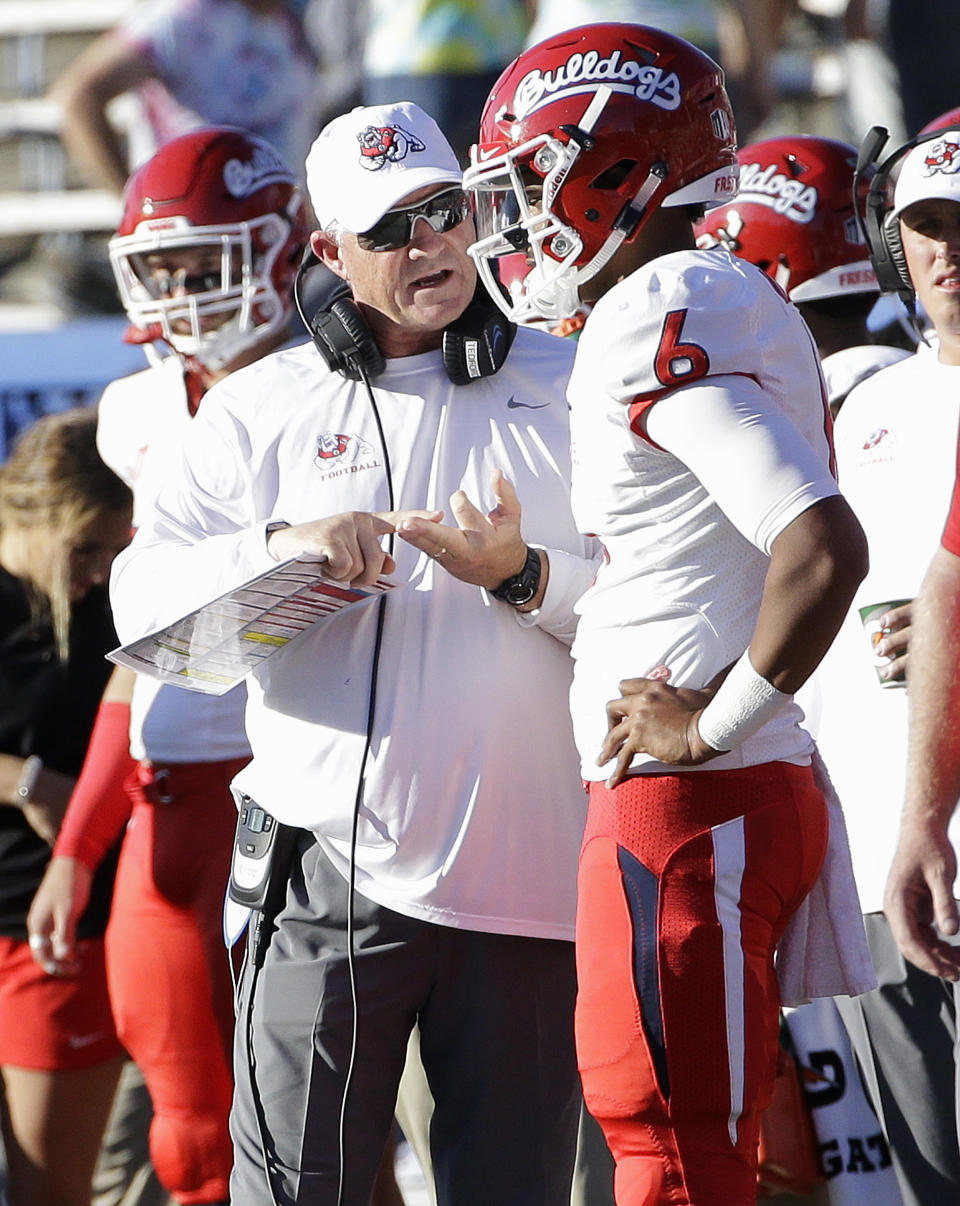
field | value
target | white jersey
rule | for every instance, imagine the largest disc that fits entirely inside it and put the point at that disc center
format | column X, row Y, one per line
column 142, row 421
column 700, row 431
column 472, row 809
column 896, row 441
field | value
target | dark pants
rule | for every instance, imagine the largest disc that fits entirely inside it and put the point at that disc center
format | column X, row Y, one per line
column 496, row 1032
column 904, row 1035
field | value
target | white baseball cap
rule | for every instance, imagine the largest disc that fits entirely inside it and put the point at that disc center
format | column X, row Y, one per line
column 931, row 171
column 366, row 161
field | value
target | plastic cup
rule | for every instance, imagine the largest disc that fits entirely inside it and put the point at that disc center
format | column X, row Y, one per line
column 870, row 618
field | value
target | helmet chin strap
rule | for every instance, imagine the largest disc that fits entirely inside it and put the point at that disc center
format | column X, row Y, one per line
column 625, row 225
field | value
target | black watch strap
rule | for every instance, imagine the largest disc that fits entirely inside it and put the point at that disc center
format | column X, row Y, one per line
column 276, row 526
column 521, row 588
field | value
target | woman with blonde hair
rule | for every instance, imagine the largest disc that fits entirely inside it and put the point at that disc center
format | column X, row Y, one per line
column 63, row 517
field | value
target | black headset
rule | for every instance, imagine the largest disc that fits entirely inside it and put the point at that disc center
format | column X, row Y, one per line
column 475, row 345
column 879, row 226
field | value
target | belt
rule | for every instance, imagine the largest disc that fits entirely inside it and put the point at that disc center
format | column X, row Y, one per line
column 164, row 783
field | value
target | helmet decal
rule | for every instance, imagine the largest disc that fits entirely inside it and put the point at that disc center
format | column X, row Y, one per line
column 241, row 178
column 582, row 72
column 764, row 184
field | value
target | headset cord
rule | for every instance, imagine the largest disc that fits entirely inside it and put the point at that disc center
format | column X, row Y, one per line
column 358, row 800
column 259, row 937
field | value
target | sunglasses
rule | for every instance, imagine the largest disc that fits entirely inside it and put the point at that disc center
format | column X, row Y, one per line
column 442, row 212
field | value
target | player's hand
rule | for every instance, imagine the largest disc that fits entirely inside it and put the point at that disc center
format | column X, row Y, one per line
column 60, row 900
column 895, row 624
column 654, row 718
column 347, row 545
column 919, row 901
column 481, row 549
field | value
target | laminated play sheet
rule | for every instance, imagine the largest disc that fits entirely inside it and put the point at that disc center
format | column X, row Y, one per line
column 213, row 648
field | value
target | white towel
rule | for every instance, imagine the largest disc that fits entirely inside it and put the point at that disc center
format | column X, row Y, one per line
column 823, row 951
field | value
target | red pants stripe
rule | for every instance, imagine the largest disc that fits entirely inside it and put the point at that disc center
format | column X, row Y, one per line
column 169, row 974
column 686, row 883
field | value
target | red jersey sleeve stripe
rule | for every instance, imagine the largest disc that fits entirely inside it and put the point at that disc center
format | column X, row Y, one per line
column 641, row 403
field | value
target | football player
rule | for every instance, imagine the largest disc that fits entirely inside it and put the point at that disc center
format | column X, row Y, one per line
column 702, row 460
column 209, row 242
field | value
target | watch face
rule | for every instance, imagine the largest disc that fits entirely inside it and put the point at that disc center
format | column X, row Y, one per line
column 520, row 593
column 521, row 588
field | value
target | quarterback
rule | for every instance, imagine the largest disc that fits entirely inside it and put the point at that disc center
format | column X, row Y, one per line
column 702, row 461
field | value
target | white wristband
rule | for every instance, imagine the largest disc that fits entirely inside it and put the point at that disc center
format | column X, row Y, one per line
column 744, row 703
column 31, row 768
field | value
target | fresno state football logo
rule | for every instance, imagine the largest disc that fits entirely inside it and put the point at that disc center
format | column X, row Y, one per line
column 334, row 447
column 380, row 145
column 944, row 156
column 874, row 438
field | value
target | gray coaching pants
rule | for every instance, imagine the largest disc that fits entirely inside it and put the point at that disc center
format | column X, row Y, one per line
column 904, row 1035
column 496, row 1037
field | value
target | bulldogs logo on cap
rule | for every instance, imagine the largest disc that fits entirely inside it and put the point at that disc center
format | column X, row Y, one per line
column 380, row 145
column 943, row 156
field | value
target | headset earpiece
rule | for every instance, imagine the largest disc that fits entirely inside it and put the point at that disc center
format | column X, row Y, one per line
column 334, row 321
column 898, row 260
column 477, row 343
column 874, row 215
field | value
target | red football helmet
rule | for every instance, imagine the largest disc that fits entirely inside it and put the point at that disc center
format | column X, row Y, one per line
column 793, row 217
column 224, row 198
column 583, row 137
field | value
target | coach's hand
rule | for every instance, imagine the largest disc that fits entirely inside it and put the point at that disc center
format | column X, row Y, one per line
column 482, row 549
column 347, row 545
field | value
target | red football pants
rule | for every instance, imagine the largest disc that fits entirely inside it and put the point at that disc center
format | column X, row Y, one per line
column 686, row 883
column 168, row 972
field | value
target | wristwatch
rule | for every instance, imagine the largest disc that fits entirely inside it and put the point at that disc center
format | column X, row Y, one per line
column 27, row 781
column 520, row 588
column 277, row 525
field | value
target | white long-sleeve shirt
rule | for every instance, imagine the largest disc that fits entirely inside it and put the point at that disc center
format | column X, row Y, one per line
column 896, row 441
column 472, row 808
column 141, row 421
